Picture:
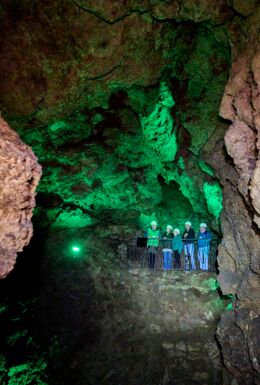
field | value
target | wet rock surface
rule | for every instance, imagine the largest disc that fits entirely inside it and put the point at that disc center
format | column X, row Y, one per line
column 239, row 254
column 165, row 322
column 20, row 174
column 134, row 326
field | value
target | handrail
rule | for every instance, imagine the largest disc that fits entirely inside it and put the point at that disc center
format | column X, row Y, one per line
column 183, row 239
column 138, row 253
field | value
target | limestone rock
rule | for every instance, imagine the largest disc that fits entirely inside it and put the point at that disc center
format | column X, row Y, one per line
column 239, row 257
column 107, row 44
column 240, row 143
column 90, row 86
column 244, row 7
column 20, row 174
column 237, row 106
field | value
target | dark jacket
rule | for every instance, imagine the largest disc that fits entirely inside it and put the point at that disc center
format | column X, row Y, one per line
column 167, row 243
column 190, row 236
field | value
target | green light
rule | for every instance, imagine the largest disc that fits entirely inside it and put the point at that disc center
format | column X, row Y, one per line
column 229, row 306
column 213, row 195
column 158, row 126
column 76, row 249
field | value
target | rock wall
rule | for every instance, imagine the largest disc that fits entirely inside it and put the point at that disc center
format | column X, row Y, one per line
column 20, row 174
column 239, row 254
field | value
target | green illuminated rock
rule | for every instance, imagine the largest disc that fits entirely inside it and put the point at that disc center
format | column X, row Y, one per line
column 120, row 102
column 158, row 126
column 213, row 195
column 111, row 128
column 205, row 167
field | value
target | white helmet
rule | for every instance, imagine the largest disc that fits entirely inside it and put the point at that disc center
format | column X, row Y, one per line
column 188, row 223
column 169, row 227
column 153, row 223
column 203, row 225
column 177, row 231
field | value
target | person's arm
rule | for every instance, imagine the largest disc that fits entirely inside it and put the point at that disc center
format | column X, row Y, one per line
column 209, row 236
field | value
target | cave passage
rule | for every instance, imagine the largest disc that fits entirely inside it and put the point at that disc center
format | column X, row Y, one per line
column 137, row 111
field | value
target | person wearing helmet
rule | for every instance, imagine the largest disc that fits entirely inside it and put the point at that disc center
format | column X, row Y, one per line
column 188, row 238
column 204, row 239
column 177, row 248
column 167, row 236
column 153, row 235
column 167, row 251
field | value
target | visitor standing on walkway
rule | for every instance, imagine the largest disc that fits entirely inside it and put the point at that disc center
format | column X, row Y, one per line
column 153, row 235
column 167, row 237
column 177, row 248
column 167, row 248
column 204, row 239
column 188, row 238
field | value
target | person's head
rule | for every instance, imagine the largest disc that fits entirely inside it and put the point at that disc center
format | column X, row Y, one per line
column 203, row 227
column 176, row 232
column 187, row 225
column 154, row 225
column 169, row 228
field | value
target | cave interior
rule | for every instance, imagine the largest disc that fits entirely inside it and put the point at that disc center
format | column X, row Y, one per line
column 121, row 113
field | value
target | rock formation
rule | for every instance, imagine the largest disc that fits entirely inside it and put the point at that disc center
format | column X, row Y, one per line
column 239, row 255
column 20, row 174
column 121, row 101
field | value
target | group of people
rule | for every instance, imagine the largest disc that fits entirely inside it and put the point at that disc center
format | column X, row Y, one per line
column 174, row 243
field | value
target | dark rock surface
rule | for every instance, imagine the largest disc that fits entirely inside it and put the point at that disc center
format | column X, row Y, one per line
column 132, row 326
column 165, row 320
column 239, row 254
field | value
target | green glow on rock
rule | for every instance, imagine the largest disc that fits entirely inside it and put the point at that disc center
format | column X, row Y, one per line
column 181, row 163
column 229, row 307
column 76, row 249
column 206, row 168
column 57, row 126
column 213, row 196
column 71, row 218
column 158, row 126
column 188, row 185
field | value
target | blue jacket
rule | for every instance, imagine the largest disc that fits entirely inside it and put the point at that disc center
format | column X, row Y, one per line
column 177, row 243
column 204, row 239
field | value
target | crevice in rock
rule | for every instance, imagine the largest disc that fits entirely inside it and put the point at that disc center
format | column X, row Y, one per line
column 107, row 73
column 110, row 22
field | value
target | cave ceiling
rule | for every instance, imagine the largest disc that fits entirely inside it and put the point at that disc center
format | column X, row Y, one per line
column 119, row 101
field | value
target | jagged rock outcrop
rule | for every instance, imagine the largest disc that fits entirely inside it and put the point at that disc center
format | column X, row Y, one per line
column 239, row 254
column 20, row 174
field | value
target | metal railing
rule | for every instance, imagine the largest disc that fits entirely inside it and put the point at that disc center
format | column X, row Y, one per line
column 194, row 256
